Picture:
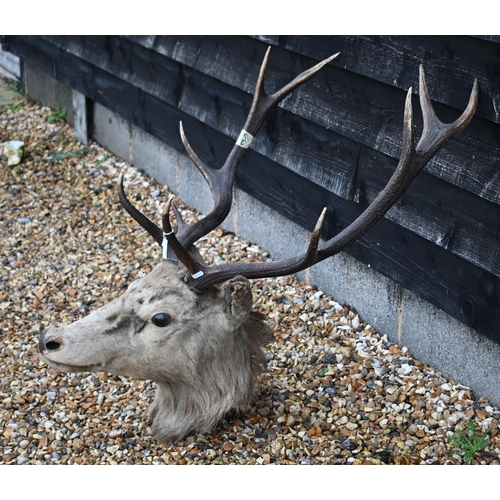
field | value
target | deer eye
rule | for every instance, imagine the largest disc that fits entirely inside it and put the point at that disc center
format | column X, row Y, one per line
column 161, row 319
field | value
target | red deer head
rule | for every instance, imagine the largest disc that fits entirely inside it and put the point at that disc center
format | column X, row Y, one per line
column 191, row 328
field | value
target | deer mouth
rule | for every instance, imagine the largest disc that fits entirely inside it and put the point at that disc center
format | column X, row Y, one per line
column 67, row 368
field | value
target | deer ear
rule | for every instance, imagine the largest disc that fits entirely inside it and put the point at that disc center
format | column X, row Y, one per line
column 238, row 298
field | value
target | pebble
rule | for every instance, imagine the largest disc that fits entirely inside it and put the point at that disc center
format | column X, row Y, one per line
column 335, row 391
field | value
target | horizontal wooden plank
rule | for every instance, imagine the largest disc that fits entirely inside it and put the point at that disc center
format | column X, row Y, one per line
column 490, row 38
column 356, row 107
column 452, row 62
column 303, row 146
column 457, row 220
column 221, row 106
column 429, row 208
column 449, row 282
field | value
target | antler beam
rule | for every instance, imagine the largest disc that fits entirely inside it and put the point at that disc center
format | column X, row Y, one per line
column 221, row 181
column 413, row 159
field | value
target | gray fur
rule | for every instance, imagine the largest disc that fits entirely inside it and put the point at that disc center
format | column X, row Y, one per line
column 205, row 362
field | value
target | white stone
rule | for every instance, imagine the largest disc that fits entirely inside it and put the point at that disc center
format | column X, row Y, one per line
column 13, row 151
column 355, row 322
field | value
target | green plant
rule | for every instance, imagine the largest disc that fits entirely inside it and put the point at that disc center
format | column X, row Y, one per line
column 14, row 107
column 469, row 441
column 61, row 155
column 104, row 159
column 56, row 115
column 14, row 86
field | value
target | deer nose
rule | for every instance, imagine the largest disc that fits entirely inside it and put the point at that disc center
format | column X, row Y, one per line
column 49, row 344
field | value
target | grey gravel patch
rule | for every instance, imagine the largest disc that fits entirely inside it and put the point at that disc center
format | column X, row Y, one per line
column 335, row 391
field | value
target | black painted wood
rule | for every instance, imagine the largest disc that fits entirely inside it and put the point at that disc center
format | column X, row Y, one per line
column 363, row 110
column 357, row 106
column 433, row 272
column 324, row 157
column 223, row 107
column 452, row 62
column 457, row 220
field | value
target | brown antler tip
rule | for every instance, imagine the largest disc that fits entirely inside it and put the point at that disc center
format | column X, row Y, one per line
column 474, row 98
column 321, row 220
column 331, row 58
column 318, row 227
column 167, row 227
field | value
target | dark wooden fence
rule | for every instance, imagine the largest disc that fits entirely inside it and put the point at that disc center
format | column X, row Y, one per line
column 334, row 142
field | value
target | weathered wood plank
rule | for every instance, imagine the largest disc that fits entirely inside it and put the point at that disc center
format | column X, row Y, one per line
column 361, row 109
column 302, row 146
column 377, row 125
column 393, row 59
column 314, row 153
column 490, row 38
column 457, row 220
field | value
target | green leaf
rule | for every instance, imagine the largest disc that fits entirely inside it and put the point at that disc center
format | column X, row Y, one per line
column 104, row 159
column 469, row 441
column 14, row 107
column 13, row 87
column 61, row 155
column 56, row 115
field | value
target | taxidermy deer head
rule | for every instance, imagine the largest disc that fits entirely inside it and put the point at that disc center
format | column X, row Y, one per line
column 191, row 328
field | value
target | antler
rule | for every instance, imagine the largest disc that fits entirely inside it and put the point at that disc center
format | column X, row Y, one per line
column 413, row 159
column 221, row 181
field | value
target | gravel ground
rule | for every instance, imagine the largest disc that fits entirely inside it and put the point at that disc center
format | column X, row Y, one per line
column 335, row 390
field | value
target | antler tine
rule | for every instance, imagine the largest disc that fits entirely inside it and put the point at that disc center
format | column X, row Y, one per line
column 178, row 218
column 221, row 181
column 436, row 133
column 218, row 274
column 413, row 159
column 144, row 221
column 193, row 267
column 263, row 103
column 202, row 167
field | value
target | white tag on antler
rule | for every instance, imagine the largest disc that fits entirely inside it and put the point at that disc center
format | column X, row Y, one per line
column 164, row 244
column 245, row 139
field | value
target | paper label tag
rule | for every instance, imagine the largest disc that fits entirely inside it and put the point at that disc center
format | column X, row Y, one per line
column 245, row 139
column 164, row 246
